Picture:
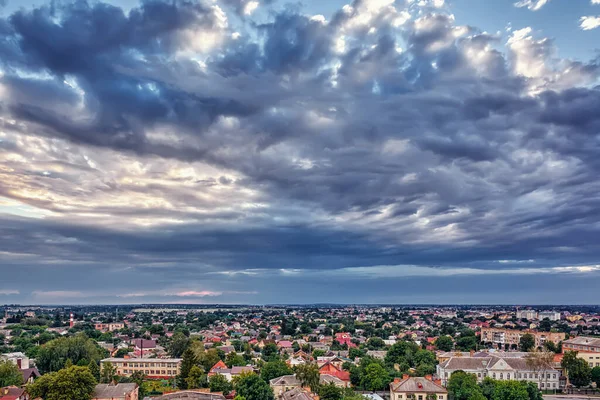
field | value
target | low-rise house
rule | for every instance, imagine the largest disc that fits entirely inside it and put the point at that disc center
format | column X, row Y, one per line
column 191, row 395
column 229, row 373
column 288, row 382
column 120, row 391
column 299, row 394
column 17, row 358
column 30, row 374
column 13, row 393
column 417, row 388
column 330, row 369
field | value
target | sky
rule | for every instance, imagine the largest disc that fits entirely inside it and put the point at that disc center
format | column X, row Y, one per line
column 260, row 152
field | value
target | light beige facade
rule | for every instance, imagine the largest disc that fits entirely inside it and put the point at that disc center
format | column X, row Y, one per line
column 151, row 367
column 513, row 337
column 593, row 359
column 109, row 327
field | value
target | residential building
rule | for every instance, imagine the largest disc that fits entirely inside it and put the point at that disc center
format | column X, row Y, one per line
column 191, row 395
column 417, row 388
column 582, row 343
column 330, row 369
column 288, row 382
column 109, row 327
column 551, row 315
column 229, row 373
column 500, row 368
column 527, row 314
column 299, row 394
column 120, row 391
column 152, row 367
column 30, row 374
column 18, row 358
column 513, row 337
column 13, row 393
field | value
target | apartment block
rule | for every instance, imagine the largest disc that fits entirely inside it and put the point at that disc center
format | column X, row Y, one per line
column 513, row 337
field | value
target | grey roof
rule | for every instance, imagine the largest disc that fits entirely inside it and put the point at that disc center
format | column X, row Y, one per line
column 466, row 363
column 191, row 395
column 287, row 380
column 584, row 341
column 290, row 380
column 296, row 394
column 417, row 384
column 110, row 391
column 478, row 363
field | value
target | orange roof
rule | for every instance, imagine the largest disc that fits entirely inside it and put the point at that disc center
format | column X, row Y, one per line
column 219, row 365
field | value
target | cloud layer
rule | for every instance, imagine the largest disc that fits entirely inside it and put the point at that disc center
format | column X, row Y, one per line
column 239, row 152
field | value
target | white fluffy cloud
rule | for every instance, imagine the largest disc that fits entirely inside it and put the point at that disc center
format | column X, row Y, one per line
column 532, row 5
column 589, row 22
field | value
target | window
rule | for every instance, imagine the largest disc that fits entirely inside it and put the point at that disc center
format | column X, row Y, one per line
column 494, row 375
column 501, row 375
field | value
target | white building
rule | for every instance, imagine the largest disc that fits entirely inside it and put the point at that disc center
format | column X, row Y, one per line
column 20, row 359
column 551, row 315
column 499, row 368
column 527, row 314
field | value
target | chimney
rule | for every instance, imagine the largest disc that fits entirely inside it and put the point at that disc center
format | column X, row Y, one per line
column 429, row 377
column 437, row 381
column 472, row 352
column 405, row 377
column 71, row 321
column 397, row 380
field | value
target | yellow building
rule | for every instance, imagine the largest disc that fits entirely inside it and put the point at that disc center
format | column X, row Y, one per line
column 163, row 368
column 593, row 359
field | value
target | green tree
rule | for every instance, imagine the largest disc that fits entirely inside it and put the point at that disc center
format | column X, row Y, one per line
column 467, row 343
column 188, row 361
column 139, row 378
column 274, row 369
column 208, row 359
column 270, row 352
column 108, row 372
column 308, row 375
column 10, row 375
column 527, row 342
column 65, row 384
column 375, row 343
column 234, row 359
column 488, row 385
column 580, row 373
column 331, row 392
column 510, row 390
column 196, row 378
column 375, row 377
column 463, row 386
column 94, row 369
column 252, row 386
column 318, row 353
column 595, row 375
column 179, row 342
column 53, row 355
column 218, row 383
column 444, row 343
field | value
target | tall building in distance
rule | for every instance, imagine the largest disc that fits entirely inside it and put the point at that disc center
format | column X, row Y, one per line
column 512, row 338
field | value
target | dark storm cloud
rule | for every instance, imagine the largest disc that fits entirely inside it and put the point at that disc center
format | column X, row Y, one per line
column 185, row 138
